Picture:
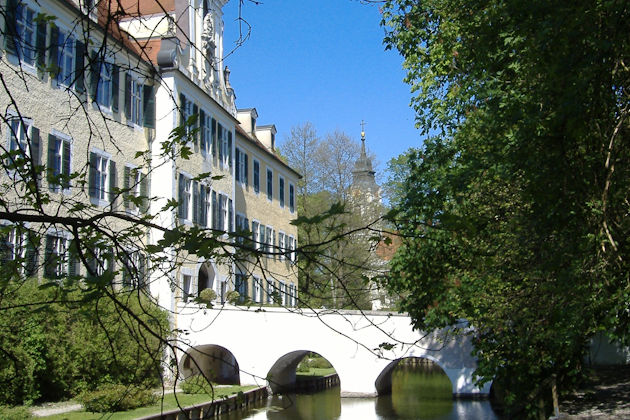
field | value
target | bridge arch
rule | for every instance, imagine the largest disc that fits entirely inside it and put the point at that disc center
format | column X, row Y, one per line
column 282, row 374
column 383, row 383
column 215, row 362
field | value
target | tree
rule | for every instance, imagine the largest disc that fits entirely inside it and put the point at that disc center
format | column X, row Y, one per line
column 335, row 270
column 514, row 214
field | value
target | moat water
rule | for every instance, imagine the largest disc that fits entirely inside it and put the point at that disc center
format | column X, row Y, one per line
column 418, row 392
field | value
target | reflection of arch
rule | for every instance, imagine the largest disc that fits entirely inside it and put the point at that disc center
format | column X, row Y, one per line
column 217, row 363
column 383, row 383
column 281, row 376
column 205, row 278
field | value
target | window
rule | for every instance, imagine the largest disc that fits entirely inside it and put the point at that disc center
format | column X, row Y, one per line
column 204, row 205
column 134, row 273
column 104, row 83
column 186, row 286
column 291, row 245
column 225, row 147
column 257, row 294
column 271, row 291
column 65, row 59
column 291, row 198
column 20, row 131
column 269, row 184
column 256, row 234
column 262, row 238
column 184, row 188
column 205, row 133
column 281, row 191
column 256, row 176
column 18, row 245
column 103, row 178
column 240, row 285
column 242, row 227
column 56, row 256
column 282, row 290
column 25, row 33
column 281, row 245
column 269, row 241
column 58, row 162
column 241, row 166
column 134, row 104
column 222, row 211
column 101, row 260
column 135, row 189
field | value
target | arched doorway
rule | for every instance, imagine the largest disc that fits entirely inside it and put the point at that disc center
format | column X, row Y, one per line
column 216, row 363
column 205, row 277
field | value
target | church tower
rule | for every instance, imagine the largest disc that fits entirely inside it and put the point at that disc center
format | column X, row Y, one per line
column 363, row 180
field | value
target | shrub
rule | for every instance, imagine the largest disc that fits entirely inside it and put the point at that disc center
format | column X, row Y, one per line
column 15, row 413
column 196, row 384
column 233, row 297
column 60, row 341
column 116, row 397
column 207, row 295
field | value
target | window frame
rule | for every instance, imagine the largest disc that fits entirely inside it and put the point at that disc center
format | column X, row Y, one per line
column 62, row 140
column 104, row 193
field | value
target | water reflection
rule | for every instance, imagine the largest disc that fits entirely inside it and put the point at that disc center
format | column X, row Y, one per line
column 419, row 391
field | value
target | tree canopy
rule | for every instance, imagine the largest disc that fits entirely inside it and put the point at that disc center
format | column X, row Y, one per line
column 514, row 212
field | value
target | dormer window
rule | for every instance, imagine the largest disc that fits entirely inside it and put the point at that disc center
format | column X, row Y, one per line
column 253, row 122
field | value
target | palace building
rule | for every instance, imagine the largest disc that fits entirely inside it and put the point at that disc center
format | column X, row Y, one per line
column 96, row 98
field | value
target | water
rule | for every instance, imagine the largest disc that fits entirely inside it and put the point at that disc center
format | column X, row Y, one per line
column 418, row 392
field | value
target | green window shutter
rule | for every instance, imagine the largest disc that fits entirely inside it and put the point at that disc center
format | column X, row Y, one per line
column 32, row 255
column 66, row 164
column 181, row 185
column 94, row 74
column 230, row 148
column 196, row 125
column 10, row 30
column 40, row 44
column 220, row 141
column 202, row 132
column 74, row 268
column 128, row 82
column 238, row 167
column 51, row 169
column 126, row 186
column 115, row 87
column 92, row 175
column 79, row 67
column 49, row 257
column 182, row 109
column 246, row 169
column 53, row 51
column 230, row 216
column 214, row 138
column 215, row 211
column 203, row 214
column 148, row 104
column 36, row 151
column 113, row 181
column 144, row 192
column 195, row 201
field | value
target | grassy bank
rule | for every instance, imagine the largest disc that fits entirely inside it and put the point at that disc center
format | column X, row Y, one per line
column 168, row 402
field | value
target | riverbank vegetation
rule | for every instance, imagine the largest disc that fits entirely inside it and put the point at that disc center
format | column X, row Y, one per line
column 514, row 213
column 314, row 365
column 61, row 340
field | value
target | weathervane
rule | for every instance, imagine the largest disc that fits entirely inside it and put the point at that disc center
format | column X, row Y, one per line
column 363, row 129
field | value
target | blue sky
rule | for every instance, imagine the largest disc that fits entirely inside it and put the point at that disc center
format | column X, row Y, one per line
column 322, row 61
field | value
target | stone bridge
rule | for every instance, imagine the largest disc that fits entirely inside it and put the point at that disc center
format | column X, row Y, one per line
column 263, row 346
